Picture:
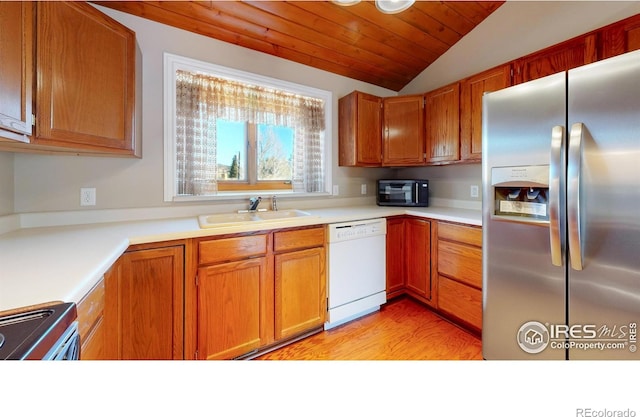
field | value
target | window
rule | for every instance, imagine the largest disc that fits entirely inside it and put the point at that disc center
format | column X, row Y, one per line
column 230, row 133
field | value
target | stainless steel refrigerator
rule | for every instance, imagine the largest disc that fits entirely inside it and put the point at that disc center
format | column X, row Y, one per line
column 561, row 215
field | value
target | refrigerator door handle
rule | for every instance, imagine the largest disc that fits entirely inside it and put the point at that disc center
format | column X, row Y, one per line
column 555, row 184
column 574, row 168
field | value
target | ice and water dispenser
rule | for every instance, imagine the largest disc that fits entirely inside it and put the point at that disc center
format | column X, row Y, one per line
column 521, row 193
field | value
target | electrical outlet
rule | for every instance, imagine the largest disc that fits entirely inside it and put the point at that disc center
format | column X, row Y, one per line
column 87, row 196
column 363, row 189
column 474, row 191
column 336, row 190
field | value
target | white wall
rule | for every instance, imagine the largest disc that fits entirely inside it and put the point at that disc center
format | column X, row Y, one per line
column 6, row 183
column 51, row 183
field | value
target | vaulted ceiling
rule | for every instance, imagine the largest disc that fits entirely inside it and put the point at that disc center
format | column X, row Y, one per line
column 356, row 41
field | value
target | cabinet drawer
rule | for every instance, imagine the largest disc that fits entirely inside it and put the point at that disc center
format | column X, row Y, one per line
column 90, row 309
column 227, row 249
column 460, row 233
column 298, row 239
column 462, row 262
column 93, row 346
column 461, row 301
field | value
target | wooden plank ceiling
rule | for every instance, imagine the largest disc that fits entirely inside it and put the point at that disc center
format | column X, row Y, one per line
column 355, row 41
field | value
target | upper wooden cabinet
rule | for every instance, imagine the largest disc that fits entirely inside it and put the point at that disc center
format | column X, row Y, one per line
column 452, row 118
column 360, row 130
column 86, row 65
column 16, row 70
column 562, row 57
column 87, row 90
column 442, row 124
column 471, row 91
column 403, row 130
column 620, row 37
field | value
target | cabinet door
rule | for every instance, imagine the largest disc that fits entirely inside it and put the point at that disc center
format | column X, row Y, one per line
column 418, row 257
column 395, row 257
column 233, row 308
column 471, row 92
column 443, row 124
column 85, row 92
column 16, row 73
column 562, row 57
column 403, row 127
column 300, row 292
column 360, row 130
column 149, row 303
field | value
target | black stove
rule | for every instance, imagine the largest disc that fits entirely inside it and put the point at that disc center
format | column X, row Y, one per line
column 41, row 333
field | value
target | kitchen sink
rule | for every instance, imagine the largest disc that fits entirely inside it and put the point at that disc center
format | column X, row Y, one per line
column 236, row 219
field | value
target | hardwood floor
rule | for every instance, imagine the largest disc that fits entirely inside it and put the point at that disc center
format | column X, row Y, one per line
column 402, row 330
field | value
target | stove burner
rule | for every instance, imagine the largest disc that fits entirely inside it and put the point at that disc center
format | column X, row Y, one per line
column 31, row 334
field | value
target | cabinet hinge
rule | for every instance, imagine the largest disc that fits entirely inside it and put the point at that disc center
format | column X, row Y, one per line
column 33, row 120
column 196, row 280
column 195, row 355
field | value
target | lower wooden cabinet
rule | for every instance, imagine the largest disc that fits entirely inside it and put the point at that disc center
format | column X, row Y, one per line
column 257, row 290
column 91, row 324
column 300, row 291
column 461, row 301
column 145, row 304
column 409, row 258
column 439, row 264
column 233, row 300
column 395, row 257
column 459, row 269
column 418, row 257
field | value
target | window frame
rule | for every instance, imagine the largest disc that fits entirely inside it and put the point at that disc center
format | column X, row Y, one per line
column 173, row 63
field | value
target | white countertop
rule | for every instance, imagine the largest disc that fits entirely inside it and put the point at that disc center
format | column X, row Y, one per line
column 62, row 263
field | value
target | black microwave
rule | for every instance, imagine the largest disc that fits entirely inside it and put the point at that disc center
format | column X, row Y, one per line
column 408, row 193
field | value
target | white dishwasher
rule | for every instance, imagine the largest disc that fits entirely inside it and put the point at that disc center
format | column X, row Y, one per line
column 357, row 270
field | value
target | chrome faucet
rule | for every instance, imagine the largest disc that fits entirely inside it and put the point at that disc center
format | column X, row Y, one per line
column 253, row 203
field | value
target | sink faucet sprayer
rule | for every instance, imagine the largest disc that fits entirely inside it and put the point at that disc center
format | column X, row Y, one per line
column 253, row 203
column 274, row 203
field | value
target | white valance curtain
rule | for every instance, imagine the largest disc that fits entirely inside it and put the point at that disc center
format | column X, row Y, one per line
column 201, row 99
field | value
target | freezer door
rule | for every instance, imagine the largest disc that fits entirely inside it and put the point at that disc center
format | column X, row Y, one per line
column 603, row 197
column 522, row 288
